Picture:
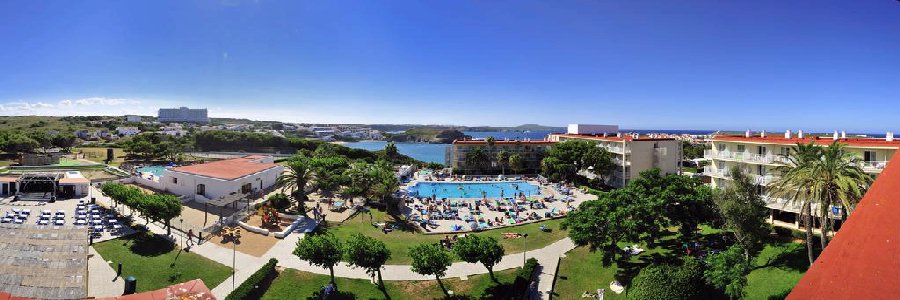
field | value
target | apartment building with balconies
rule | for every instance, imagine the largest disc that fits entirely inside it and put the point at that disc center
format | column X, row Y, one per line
column 530, row 151
column 760, row 154
column 633, row 153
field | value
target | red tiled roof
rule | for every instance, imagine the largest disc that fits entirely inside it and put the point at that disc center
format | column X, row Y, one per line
column 611, row 138
column 254, row 157
column 863, row 260
column 854, row 142
column 194, row 289
column 226, row 169
column 503, row 142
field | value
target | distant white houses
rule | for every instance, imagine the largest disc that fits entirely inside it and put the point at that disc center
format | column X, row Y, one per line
column 132, row 119
column 224, row 178
column 127, row 131
column 183, row 115
column 173, row 130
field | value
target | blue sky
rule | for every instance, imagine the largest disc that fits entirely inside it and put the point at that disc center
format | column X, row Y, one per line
column 815, row 65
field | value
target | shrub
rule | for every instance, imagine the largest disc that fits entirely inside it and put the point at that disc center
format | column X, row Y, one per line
column 280, row 201
column 670, row 282
column 250, row 286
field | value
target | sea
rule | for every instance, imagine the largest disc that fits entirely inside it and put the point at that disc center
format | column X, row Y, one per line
column 435, row 152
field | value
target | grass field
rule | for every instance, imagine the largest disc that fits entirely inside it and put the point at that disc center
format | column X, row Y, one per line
column 98, row 154
column 294, row 284
column 157, row 263
column 776, row 270
column 400, row 241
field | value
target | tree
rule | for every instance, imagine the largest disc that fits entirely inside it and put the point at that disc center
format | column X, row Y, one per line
column 839, row 180
column 430, row 259
column 18, row 142
column 390, row 150
column 678, row 200
column 516, row 163
column 323, row 250
column 64, row 140
column 360, row 178
column 162, row 207
column 368, row 253
column 727, row 271
column 41, row 137
column 484, row 250
column 299, row 173
column 566, row 159
column 744, row 213
column 795, row 185
column 603, row 223
column 385, row 181
column 669, row 282
column 503, row 160
column 477, row 159
column 328, row 171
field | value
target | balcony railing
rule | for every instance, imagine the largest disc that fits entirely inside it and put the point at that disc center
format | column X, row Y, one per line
column 617, row 149
column 724, row 173
column 873, row 166
column 746, row 157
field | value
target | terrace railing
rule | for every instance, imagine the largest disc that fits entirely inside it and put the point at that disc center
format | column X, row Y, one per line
column 746, row 157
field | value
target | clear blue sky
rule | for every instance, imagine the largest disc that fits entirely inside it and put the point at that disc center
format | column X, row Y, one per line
column 815, row 65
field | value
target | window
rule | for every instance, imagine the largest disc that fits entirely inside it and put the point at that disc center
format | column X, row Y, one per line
column 175, row 180
column 785, row 151
column 869, row 156
column 741, row 148
column 201, row 189
column 761, row 150
column 246, row 188
column 721, row 147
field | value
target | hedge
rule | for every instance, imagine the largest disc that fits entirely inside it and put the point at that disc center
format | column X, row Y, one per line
column 252, row 283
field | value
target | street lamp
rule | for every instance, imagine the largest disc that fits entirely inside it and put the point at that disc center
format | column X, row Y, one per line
column 524, row 249
column 181, row 221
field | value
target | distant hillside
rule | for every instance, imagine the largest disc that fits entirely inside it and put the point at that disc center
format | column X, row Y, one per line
column 523, row 127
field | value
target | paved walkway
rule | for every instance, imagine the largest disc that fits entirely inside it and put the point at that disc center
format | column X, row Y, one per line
column 246, row 264
column 102, row 281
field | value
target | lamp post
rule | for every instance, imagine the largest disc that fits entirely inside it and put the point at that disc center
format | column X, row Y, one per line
column 181, row 221
column 524, row 249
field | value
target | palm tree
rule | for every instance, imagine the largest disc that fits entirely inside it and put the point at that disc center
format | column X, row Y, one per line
column 476, row 158
column 516, row 163
column 299, row 173
column 795, row 185
column 839, row 180
column 503, row 160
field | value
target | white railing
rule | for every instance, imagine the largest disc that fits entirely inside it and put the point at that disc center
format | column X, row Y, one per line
column 746, row 157
column 763, row 179
column 873, row 166
column 618, row 162
column 714, row 172
column 617, row 149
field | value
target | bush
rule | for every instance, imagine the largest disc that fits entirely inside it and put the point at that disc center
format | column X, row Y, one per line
column 280, row 201
column 250, row 286
column 670, row 282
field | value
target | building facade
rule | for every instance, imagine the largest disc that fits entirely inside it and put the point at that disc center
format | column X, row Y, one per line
column 230, row 177
column 183, row 115
column 758, row 155
column 531, row 153
column 633, row 154
column 127, row 131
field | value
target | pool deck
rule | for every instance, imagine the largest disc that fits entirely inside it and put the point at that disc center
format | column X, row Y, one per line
column 446, row 226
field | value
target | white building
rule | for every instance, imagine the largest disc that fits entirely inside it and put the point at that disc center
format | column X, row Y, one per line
column 633, row 154
column 175, row 130
column 231, row 177
column 183, row 114
column 592, row 129
column 132, row 119
column 127, row 131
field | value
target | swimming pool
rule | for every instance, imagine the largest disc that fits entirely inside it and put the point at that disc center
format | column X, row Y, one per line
column 155, row 170
column 473, row 189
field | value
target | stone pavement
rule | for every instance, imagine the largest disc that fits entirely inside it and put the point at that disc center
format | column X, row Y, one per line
column 102, row 281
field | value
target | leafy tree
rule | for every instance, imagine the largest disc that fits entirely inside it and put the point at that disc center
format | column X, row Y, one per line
column 390, row 151
column 603, row 223
column 41, row 137
column 727, row 271
column 516, row 163
column 280, row 201
column 162, row 207
column 385, row 181
column 360, row 178
column 430, row 259
column 18, row 142
column 744, row 213
column 329, row 173
column 479, row 249
column 566, row 159
column 63, row 140
column 669, row 282
column 503, row 160
column 477, row 159
column 323, row 250
column 368, row 253
column 298, row 175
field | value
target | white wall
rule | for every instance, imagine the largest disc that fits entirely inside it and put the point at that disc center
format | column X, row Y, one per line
column 592, row 129
column 216, row 188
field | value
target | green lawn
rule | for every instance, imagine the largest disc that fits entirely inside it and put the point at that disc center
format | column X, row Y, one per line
column 294, row 284
column 98, row 154
column 157, row 263
column 777, row 269
column 400, row 241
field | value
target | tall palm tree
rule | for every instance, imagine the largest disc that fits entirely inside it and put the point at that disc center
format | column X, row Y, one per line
column 503, row 160
column 516, row 163
column 298, row 175
column 795, row 185
column 839, row 180
column 477, row 158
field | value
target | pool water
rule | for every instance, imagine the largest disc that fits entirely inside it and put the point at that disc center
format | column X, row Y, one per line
column 473, row 189
column 155, row 170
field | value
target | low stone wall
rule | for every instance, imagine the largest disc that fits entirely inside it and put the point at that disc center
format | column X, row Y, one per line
column 287, row 231
column 255, row 229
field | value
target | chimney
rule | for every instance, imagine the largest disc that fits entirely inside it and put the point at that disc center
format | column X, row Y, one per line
column 618, row 134
column 787, row 134
column 747, row 133
column 835, row 136
column 889, row 136
column 800, row 134
column 604, row 134
column 843, row 134
column 762, row 134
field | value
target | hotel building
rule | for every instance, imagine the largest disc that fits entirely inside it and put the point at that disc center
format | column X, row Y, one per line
column 530, row 151
column 632, row 153
column 183, row 114
column 758, row 155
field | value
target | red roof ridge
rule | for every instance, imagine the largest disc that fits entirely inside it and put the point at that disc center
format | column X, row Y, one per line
column 227, row 169
column 856, row 142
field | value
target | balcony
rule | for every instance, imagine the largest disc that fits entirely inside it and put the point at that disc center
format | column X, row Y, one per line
column 714, row 172
column 724, row 174
column 616, row 149
column 873, row 166
column 746, row 157
column 618, row 162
